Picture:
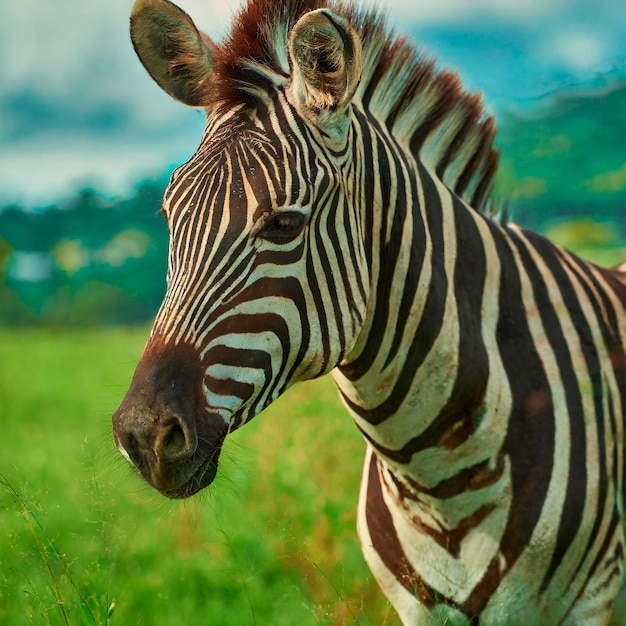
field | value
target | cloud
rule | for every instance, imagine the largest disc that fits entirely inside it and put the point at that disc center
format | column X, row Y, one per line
column 580, row 50
column 38, row 172
column 77, row 106
column 459, row 11
column 213, row 17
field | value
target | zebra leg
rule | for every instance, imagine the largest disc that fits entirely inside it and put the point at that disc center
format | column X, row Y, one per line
column 595, row 606
column 596, row 612
column 413, row 600
column 383, row 553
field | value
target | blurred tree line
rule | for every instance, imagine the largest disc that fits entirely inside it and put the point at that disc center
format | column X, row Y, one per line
column 85, row 262
column 89, row 261
column 563, row 168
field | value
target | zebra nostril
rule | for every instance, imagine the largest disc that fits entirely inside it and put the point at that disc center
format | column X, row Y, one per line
column 175, row 439
column 175, row 443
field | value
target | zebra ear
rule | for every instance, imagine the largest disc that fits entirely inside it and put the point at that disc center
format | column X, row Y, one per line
column 325, row 55
column 177, row 56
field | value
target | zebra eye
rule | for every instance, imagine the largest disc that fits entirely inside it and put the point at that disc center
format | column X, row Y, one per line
column 282, row 227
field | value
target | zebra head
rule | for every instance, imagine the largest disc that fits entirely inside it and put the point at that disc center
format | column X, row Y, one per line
column 267, row 280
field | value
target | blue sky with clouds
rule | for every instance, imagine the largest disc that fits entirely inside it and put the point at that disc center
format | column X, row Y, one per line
column 77, row 108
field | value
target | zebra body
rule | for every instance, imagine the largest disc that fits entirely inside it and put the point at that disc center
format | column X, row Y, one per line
column 329, row 222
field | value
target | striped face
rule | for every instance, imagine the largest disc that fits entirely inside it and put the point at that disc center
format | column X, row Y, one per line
column 263, row 290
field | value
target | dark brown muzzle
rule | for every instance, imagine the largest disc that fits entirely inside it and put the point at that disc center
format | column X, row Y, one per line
column 162, row 426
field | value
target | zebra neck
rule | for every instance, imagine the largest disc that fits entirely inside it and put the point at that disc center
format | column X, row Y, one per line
column 423, row 383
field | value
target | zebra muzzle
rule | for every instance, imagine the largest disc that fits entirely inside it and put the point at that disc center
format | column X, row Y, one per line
column 162, row 428
column 146, row 439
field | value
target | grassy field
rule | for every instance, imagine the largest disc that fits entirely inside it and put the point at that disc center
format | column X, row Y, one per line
column 84, row 541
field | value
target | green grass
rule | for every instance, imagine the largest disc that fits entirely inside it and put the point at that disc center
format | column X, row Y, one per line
column 84, row 541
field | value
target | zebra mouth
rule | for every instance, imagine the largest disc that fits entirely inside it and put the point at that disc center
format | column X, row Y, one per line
column 202, row 477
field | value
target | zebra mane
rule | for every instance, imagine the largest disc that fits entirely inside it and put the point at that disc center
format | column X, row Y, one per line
column 425, row 109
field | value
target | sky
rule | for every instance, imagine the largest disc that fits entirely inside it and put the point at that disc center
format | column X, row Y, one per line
column 77, row 108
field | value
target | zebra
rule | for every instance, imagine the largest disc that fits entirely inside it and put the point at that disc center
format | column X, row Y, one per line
column 336, row 218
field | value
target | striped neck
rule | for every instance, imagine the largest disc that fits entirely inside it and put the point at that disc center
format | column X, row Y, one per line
column 418, row 378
